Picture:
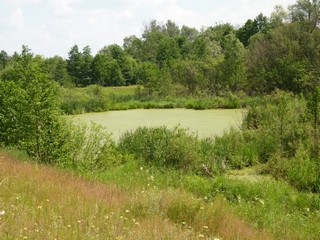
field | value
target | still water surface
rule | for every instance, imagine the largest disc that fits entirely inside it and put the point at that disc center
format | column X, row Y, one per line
column 206, row 123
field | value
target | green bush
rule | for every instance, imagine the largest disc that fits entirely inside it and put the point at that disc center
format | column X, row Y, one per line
column 236, row 150
column 300, row 171
column 87, row 147
column 175, row 148
column 162, row 146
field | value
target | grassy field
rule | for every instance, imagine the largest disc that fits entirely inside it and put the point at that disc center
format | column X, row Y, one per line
column 137, row 201
column 40, row 202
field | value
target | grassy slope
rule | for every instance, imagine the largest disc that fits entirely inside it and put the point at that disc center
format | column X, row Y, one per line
column 40, row 202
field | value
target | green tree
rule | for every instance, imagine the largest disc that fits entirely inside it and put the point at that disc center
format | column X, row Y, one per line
column 306, row 12
column 260, row 24
column 79, row 66
column 4, row 59
column 190, row 74
column 75, row 63
column 278, row 17
column 313, row 105
column 129, row 70
column 233, row 66
column 107, row 71
column 167, row 50
column 57, row 69
column 286, row 58
column 29, row 113
column 171, row 29
column 134, row 47
column 86, row 78
column 189, row 33
column 247, row 31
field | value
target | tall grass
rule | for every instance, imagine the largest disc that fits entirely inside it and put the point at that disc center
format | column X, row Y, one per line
column 40, row 202
column 96, row 99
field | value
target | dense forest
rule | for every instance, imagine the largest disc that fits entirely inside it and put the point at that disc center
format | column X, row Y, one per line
column 266, row 53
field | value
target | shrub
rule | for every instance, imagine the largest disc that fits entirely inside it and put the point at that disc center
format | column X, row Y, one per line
column 163, row 147
column 236, row 150
column 87, row 147
column 300, row 171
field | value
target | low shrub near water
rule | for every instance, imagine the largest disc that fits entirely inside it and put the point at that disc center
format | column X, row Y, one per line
column 163, row 147
column 171, row 148
column 87, row 147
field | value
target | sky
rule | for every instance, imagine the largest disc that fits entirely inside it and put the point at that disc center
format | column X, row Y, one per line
column 52, row 27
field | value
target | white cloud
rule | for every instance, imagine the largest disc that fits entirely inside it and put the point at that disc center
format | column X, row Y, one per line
column 62, row 7
column 17, row 19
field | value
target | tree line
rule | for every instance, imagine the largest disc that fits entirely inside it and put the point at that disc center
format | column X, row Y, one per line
column 266, row 53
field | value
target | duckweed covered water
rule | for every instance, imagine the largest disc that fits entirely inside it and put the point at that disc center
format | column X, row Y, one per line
column 206, row 123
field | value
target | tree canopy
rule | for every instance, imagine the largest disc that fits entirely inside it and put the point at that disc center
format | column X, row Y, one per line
column 266, row 53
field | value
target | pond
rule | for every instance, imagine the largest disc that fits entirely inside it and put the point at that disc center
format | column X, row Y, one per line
column 206, row 123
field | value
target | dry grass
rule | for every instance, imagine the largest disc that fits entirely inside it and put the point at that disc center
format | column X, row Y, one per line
column 40, row 202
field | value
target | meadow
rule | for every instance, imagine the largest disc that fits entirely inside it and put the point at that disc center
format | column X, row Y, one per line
column 41, row 202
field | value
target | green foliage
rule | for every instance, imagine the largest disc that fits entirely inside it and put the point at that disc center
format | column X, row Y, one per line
column 87, row 147
column 29, row 114
column 283, row 120
column 174, row 148
column 278, row 132
column 92, row 99
column 79, row 66
column 313, row 108
column 162, row 147
column 113, row 67
column 57, row 69
column 300, row 171
column 306, row 12
column 285, row 58
column 272, row 204
column 4, row 59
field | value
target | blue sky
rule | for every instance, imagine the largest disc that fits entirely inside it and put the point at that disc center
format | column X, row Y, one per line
column 52, row 27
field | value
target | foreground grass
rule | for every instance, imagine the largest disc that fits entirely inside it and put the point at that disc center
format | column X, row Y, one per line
column 259, row 199
column 40, row 202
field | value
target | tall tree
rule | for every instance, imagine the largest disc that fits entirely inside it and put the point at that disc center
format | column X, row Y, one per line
column 307, row 12
column 29, row 113
column 75, row 63
column 260, row 24
column 134, row 47
column 278, row 17
column 4, row 59
column 86, row 78
column 57, row 69
column 286, row 58
column 233, row 66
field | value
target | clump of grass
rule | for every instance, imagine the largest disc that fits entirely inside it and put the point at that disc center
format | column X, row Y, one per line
column 273, row 205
